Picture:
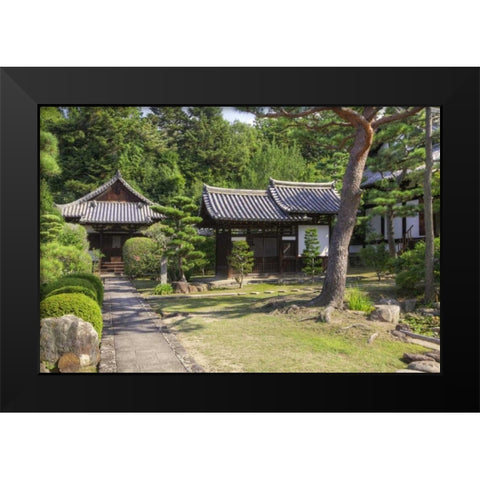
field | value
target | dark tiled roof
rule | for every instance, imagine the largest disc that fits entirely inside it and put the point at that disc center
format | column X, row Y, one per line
column 281, row 202
column 93, row 212
column 87, row 210
column 310, row 198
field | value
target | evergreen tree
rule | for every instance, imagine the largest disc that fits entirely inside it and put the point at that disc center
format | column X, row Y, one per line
column 241, row 260
column 312, row 263
column 361, row 124
column 400, row 160
column 94, row 142
column 181, row 235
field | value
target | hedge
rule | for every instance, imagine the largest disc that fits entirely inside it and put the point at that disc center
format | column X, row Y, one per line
column 68, row 282
column 74, row 304
column 140, row 257
column 94, row 280
column 73, row 289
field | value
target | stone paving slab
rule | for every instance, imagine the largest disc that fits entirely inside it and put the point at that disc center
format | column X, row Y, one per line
column 134, row 338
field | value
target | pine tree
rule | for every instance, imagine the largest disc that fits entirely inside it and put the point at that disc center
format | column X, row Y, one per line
column 181, row 236
column 241, row 260
column 312, row 264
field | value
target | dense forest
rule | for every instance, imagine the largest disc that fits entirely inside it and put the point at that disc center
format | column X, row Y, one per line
column 167, row 151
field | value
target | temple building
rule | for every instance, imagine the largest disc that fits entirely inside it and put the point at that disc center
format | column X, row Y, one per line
column 272, row 221
column 111, row 214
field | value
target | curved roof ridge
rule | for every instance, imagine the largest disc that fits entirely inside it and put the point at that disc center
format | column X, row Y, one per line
column 276, row 183
column 233, row 191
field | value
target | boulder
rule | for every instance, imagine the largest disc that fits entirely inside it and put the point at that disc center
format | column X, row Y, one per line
column 388, row 301
column 427, row 367
column 385, row 313
column 192, row 288
column 409, row 305
column 69, row 363
column 403, row 327
column 180, row 287
column 68, row 334
column 435, row 355
column 415, row 357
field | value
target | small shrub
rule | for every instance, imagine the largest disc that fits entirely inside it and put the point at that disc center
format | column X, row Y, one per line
column 71, row 258
column 73, row 289
column 241, row 260
column 410, row 267
column 377, row 257
column 75, row 304
column 67, row 282
column 140, row 257
column 312, row 263
column 50, row 270
column 94, row 280
column 358, row 300
column 163, row 289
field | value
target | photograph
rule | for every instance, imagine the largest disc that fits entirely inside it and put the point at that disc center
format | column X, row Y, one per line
column 220, row 239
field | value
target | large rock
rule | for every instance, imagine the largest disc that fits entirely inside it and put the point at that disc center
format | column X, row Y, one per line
column 434, row 355
column 415, row 357
column 428, row 367
column 180, row 287
column 68, row 335
column 385, row 313
column 388, row 301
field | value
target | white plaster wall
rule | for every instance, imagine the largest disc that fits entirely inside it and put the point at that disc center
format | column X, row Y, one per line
column 413, row 221
column 322, row 234
column 375, row 223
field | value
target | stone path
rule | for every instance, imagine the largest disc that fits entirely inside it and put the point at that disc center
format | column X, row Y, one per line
column 134, row 338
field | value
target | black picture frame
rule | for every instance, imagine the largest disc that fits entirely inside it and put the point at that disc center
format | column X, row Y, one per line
column 23, row 389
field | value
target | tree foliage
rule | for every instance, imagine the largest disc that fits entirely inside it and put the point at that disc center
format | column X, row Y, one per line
column 312, row 263
column 181, row 235
column 241, row 260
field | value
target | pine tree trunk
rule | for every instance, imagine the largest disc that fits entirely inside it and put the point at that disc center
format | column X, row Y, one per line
column 334, row 285
column 428, row 210
column 390, row 233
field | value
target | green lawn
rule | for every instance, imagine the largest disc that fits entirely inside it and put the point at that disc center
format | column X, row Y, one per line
column 239, row 334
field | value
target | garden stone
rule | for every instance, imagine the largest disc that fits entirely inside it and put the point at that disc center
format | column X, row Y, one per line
column 69, row 363
column 415, row 357
column 385, row 313
column 428, row 367
column 435, row 355
column 403, row 327
column 409, row 305
column 180, row 287
column 192, row 288
column 388, row 301
column 68, row 334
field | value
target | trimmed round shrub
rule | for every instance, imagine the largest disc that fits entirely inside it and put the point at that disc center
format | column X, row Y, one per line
column 73, row 289
column 140, row 257
column 68, row 282
column 163, row 289
column 74, row 304
column 94, row 280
